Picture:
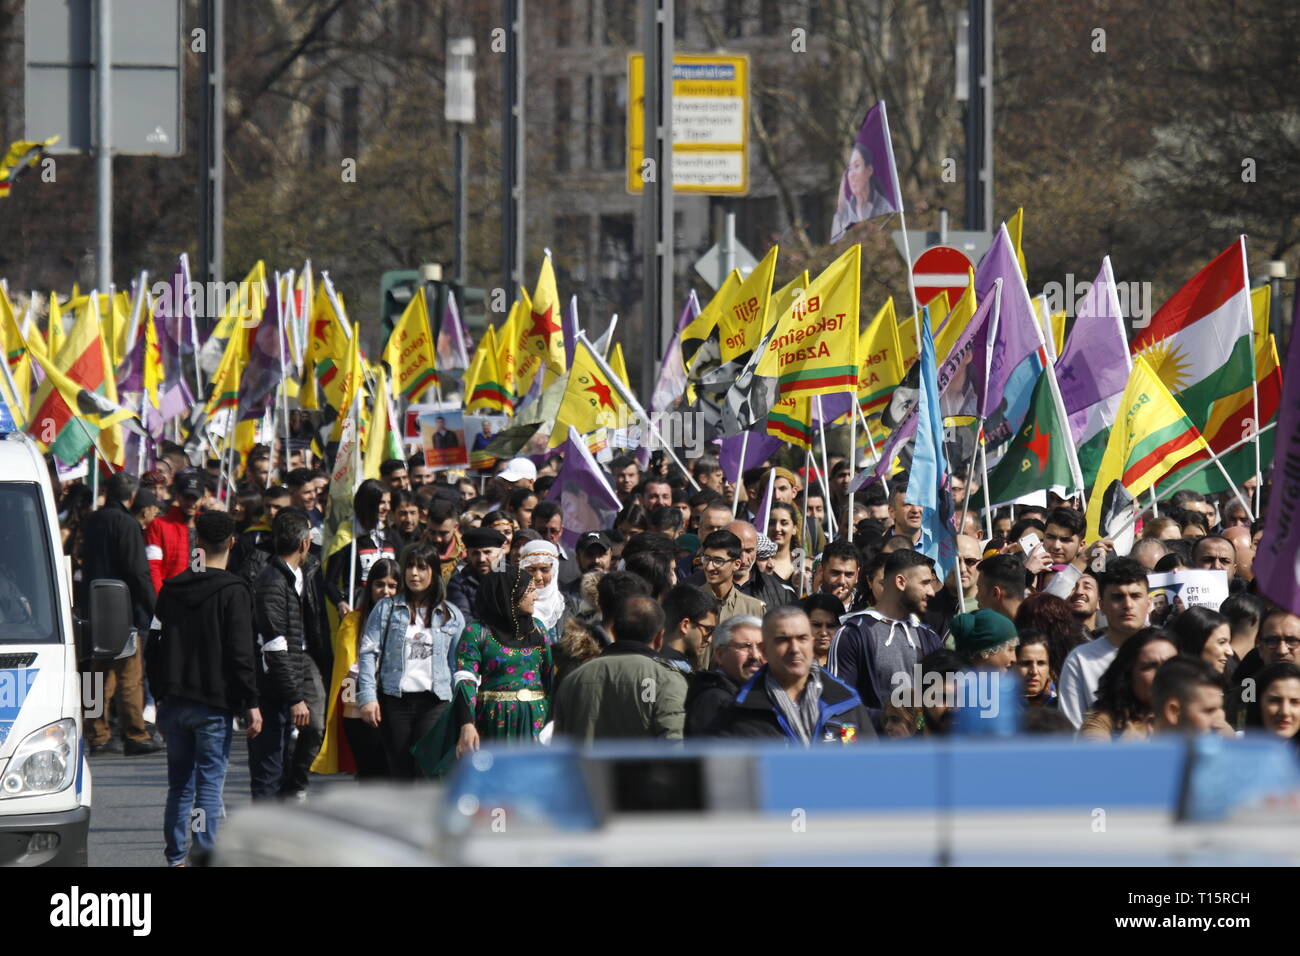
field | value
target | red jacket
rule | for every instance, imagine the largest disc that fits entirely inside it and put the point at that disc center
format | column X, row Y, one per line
column 167, row 546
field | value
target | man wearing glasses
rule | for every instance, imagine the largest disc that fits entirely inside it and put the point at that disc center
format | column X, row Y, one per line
column 953, row 599
column 737, row 656
column 1278, row 640
column 690, row 615
column 720, row 561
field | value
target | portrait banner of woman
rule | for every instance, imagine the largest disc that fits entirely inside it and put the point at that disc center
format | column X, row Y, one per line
column 869, row 186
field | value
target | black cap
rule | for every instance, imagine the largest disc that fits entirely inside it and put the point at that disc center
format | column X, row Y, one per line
column 188, row 484
column 144, row 499
column 593, row 539
column 483, row 538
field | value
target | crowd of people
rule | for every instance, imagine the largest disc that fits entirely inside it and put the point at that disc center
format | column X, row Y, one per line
column 463, row 613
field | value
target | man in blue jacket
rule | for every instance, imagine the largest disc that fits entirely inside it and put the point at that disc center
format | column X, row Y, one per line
column 791, row 698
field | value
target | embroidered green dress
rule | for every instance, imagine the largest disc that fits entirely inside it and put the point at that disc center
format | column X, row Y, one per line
column 485, row 668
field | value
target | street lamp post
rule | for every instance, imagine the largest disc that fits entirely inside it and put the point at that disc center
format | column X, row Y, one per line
column 460, row 113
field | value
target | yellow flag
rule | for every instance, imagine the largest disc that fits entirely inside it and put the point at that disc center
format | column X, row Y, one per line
column 19, row 362
column 907, row 328
column 57, row 334
column 617, row 364
column 591, row 401
column 814, row 347
column 377, row 430
column 409, row 351
column 1260, row 305
column 1151, row 436
column 225, row 383
column 784, row 297
column 702, row 326
column 327, row 352
column 1015, row 229
column 544, row 337
column 110, row 436
column 483, row 388
column 881, row 368
column 515, row 364
column 743, row 316
column 955, row 322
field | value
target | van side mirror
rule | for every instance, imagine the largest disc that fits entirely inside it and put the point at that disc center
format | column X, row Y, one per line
column 110, row 619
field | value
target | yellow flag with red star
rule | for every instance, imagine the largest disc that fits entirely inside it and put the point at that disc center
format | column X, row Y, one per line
column 543, row 336
column 591, row 400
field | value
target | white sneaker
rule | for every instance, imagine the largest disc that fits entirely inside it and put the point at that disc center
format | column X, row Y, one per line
column 150, row 714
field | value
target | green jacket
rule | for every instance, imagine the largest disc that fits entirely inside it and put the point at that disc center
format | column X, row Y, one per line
column 626, row 692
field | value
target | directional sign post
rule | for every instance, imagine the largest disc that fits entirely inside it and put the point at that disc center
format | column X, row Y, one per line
column 710, row 124
column 940, row 269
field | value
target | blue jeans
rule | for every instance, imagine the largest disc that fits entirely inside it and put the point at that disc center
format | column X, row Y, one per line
column 198, row 752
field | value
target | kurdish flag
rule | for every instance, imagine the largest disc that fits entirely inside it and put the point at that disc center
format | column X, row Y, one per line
column 743, row 317
column 1151, row 436
column 409, row 352
column 1199, row 342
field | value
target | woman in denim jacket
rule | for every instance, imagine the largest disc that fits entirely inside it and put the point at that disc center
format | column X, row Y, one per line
column 410, row 640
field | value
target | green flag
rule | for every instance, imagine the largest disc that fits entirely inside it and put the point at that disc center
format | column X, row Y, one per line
column 1037, row 459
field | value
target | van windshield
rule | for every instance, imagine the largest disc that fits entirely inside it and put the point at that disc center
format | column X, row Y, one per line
column 27, row 606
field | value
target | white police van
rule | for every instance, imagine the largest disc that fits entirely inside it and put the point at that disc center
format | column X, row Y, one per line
column 44, row 775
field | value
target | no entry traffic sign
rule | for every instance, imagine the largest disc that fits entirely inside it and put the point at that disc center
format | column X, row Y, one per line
column 938, row 269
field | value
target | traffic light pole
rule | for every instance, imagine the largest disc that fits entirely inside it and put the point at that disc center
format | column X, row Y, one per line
column 657, row 190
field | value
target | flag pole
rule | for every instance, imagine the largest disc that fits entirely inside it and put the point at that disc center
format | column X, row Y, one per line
column 617, row 384
column 872, row 442
column 1193, row 473
column 767, row 498
column 284, row 388
column 825, row 474
column 965, row 502
column 356, row 470
column 1250, row 513
column 740, row 471
column 853, row 461
column 803, row 517
column 984, row 470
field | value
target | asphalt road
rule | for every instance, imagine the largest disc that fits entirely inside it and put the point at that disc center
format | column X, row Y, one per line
column 126, row 817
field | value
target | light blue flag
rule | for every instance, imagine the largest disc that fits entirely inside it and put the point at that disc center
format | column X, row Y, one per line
column 927, row 485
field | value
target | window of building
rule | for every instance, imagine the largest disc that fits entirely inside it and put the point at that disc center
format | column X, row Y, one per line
column 733, row 15
column 769, row 15
column 613, row 119
column 562, row 130
column 572, row 236
column 621, row 22
column 350, row 135
column 757, row 222
column 680, row 9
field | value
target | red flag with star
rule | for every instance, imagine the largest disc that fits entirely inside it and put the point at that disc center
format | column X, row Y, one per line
column 1037, row 459
column 544, row 337
column 592, row 402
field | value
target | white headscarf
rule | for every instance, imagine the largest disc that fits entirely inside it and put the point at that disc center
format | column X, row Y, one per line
column 548, row 607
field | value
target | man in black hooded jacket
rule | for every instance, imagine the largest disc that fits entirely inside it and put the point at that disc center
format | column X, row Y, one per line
column 203, row 669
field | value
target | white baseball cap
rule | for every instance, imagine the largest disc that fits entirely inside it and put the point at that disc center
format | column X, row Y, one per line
column 517, row 469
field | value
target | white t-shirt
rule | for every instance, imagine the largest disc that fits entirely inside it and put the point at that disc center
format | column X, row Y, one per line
column 417, row 673
column 1080, row 675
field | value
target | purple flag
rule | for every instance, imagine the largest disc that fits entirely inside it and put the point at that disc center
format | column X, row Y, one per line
column 131, row 375
column 761, row 445
column 869, row 187
column 569, row 327
column 953, row 379
column 1094, row 364
column 1016, row 331
column 671, row 384
column 263, row 370
column 1277, row 560
column 452, row 339
column 831, row 407
column 587, row 502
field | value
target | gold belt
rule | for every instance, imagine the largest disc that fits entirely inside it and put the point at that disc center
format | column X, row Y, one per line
column 513, row 695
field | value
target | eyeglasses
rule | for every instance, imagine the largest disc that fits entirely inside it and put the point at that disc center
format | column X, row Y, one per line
column 706, row 629
column 741, row 648
column 971, row 562
column 712, row 560
column 1272, row 643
